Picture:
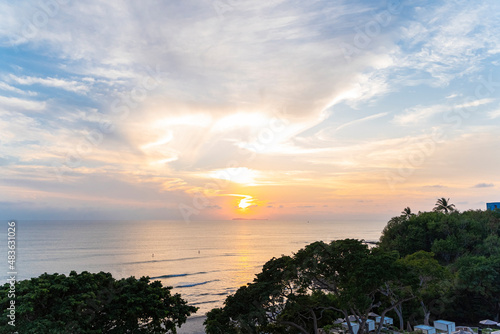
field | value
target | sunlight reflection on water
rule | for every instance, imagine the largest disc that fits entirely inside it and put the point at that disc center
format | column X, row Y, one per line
column 204, row 261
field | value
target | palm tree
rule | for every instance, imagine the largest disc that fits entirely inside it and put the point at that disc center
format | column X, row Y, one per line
column 444, row 205
column 407, row 212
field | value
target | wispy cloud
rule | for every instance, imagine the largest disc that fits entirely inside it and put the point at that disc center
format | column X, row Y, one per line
column 69, row 85
column 446, row 42
column 419, row 114
column 21, row 104
column 6, row 87
column 475, row 103
column 484, row 185
column 248, row 92
column 494, row 114
column 364, row 119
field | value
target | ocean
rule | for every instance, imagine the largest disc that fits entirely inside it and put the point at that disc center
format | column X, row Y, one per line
column 203, row 261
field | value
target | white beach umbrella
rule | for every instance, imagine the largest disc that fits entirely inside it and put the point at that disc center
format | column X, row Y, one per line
column 488, row 322
column 352, row 318
column 461, row 331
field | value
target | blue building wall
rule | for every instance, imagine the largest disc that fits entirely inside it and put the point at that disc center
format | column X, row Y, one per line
column 493, row 206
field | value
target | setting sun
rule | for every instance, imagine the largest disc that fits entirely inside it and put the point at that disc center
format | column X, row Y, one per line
column 347, row 132
column 245, row 202
column 223, row 149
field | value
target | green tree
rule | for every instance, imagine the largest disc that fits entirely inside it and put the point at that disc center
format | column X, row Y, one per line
column 477, row 287
column 449, row 236
column 444, row 205
column 361, row 280
column 307, row 291
column 407, row 212
column 93, row 303
column 409, row 235
column 467, row 244
column 434, row 279
column 274, row 302
column 490, row 246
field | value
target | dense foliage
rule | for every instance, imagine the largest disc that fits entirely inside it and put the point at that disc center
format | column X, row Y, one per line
column 320, row 283
column 467, row 245
column 93, row 303
column 449, row 236
column 430, row 265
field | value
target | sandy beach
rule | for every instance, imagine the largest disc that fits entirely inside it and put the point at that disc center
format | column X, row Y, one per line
column 194, row 325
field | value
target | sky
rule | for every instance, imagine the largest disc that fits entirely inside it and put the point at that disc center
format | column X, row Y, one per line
column 284, row 110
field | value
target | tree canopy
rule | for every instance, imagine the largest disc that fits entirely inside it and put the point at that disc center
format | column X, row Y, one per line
column 444, row 205
column 465, row 244
column 427, row 266
column 449, row 236
column 313, row 287
column 407, row 212
column 434, row 280
column 94, row 303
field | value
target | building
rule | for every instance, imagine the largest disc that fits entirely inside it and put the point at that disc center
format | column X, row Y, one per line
column 354, row 325
column 444, row 326
column 493, row 206
column 387, row 320
column 425, row 329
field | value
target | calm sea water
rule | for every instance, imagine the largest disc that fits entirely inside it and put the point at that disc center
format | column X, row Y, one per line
column 204, row 261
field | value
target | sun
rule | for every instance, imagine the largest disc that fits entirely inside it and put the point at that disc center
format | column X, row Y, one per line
column 245, row 202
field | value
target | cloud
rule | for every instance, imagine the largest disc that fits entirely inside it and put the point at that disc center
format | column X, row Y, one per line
column 494, row 114
column 484, row 185
column 21, row 104
column 72, row 86
column 364, row 119
column 475, row 103
column 446, row 42
column 269, row 53
column 417, row 114
column 421, row 113
column 251, row 90
column 6, row 87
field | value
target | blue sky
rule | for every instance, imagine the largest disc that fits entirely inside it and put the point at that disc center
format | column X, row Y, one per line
column 220, row 109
